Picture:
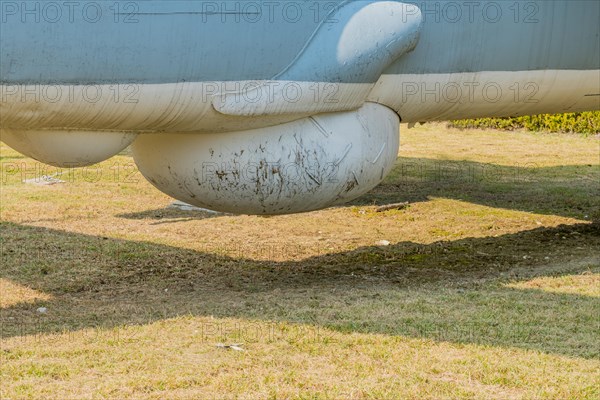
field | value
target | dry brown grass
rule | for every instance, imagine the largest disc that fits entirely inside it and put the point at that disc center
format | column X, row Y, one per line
column 489, row 288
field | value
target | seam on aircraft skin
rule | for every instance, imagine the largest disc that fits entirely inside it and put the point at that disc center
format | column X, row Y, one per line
column 339, row 161
column 380, row 153
column 363, row 122
column 296, row 58
column 245, row 13
column 318, row 126
column 310, row 39
column 355, row 178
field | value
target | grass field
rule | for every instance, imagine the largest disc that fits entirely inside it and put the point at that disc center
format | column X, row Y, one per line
column 489, row 288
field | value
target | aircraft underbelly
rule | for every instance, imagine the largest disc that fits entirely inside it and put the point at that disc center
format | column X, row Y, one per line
column 199, row 107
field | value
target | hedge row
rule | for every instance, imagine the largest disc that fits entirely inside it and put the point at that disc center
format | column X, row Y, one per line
column 584, row 122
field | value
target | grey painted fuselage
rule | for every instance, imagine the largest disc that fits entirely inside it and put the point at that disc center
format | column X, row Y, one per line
column 200, row 41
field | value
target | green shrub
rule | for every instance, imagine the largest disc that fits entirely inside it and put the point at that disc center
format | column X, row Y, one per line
column 584, row 122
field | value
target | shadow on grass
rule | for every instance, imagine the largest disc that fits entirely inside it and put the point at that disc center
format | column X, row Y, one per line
column 571, row 191
column 450, row 291
column 170, row 214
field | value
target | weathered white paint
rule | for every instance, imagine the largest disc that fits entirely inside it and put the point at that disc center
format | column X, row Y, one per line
column 234, row 106
column 173, row 108
column 432, row 97
column 304, row 165
column 270, row 98
column 67, row 149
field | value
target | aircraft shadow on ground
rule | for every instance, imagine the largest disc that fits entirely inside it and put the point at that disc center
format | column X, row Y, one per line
column 169, row 214
column 98, row 282
column 566, row 190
